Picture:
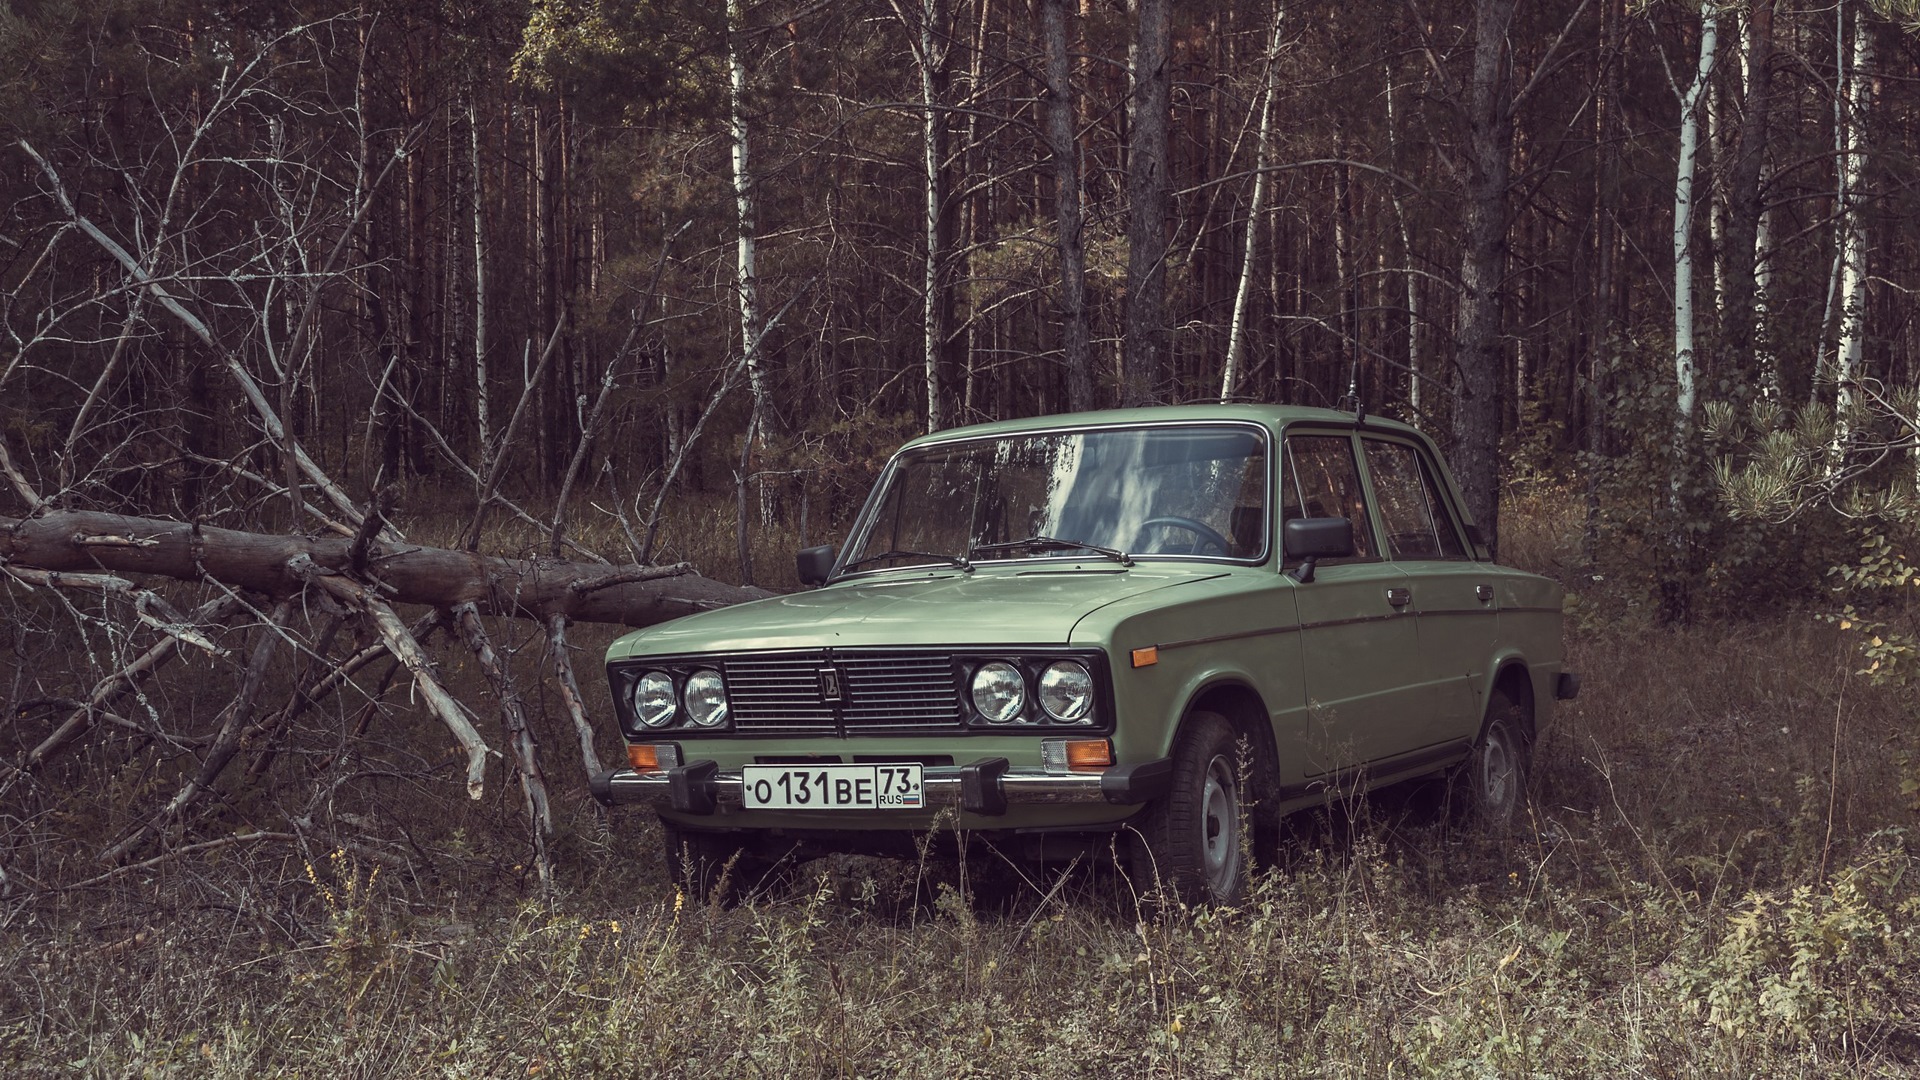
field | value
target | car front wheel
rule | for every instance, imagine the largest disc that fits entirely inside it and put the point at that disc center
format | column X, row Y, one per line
column 1192, row 839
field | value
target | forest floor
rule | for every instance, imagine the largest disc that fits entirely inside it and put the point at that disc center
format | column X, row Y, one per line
column 1719, row 879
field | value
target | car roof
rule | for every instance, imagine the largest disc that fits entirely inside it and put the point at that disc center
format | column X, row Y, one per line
column 1273, row 417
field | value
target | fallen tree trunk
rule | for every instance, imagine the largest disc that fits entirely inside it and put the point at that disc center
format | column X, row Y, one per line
column 88, row 542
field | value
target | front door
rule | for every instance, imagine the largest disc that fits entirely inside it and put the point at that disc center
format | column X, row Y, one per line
column 1359, row 639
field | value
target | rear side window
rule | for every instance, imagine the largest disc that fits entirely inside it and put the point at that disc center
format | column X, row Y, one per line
column 1412, row 511
column 1322, row 480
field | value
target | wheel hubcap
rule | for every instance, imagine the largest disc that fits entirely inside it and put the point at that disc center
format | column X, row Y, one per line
column 1497, row 780
column 1220, row 828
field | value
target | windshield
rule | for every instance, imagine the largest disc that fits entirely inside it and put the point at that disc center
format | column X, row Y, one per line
column 1197, row 490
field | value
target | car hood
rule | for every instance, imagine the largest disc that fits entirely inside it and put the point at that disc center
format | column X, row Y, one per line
column 1037, row 605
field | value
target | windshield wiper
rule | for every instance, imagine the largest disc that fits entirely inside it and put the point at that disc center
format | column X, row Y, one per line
column 1054, row 543
column 897, row 553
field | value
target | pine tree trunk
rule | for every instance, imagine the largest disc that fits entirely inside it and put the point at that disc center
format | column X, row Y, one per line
column 1147, row 338
column 1065, row 151
column 1476, row 412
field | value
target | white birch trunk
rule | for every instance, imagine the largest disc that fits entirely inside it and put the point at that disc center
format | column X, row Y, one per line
column 1822, row 367
column 1715, row 106
column 746, row 269
column 745, row 253
column 1853, row 232
column 1683, row 207
column 1257, row 205
column 1768, row 363
column 933, row 323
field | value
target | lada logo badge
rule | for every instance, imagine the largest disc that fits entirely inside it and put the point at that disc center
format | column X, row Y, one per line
column 829, row 684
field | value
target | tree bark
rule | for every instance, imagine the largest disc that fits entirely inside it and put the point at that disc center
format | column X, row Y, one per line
column 520, row 588
column 1068, row 219
column 747, row 272
column 1853, row 237
column 1744, row 197
column 1256, row 208
column 1683, row 229
column 1476, row 412
column 1147, row 339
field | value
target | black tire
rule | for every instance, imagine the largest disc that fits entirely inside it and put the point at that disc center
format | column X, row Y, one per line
column 711, row 866
column 1192, row 844
column 1492, row 782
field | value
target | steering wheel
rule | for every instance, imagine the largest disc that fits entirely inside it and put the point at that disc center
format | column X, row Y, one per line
column 1200, row 529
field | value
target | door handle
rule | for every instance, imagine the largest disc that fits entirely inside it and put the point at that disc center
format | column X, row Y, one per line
column 1484, row 592
column 1399, row 597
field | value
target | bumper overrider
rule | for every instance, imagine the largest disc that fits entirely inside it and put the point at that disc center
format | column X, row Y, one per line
column 985, row 787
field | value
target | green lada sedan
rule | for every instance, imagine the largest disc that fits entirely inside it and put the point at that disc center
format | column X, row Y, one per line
column 1149, row 630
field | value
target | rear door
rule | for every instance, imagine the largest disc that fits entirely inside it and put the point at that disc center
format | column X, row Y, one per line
column 1452, row 595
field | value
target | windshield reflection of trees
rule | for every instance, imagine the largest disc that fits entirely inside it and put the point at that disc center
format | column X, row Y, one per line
column 1098, row 488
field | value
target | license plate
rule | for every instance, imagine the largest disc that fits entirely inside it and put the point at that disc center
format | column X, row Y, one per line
column 832, row 787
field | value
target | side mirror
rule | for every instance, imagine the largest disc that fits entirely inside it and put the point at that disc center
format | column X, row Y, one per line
column 1313, row 539
column 814, row 564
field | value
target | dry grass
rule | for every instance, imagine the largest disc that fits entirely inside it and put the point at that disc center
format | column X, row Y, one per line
column 1719, row 883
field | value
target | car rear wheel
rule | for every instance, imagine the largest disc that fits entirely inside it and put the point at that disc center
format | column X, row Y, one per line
column 1494, row 779
column 1192, row 842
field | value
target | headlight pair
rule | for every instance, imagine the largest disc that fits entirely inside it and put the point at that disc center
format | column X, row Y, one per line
column 1063, row 690
column 658, row 700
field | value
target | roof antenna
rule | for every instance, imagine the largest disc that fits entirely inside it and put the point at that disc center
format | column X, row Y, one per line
column 1350, row 401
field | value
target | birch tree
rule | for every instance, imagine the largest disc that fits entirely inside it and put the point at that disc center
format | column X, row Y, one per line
column 1851, row 256
column 1691, row 103
column 1256, row 209
column 746, row 272
column 1746, row 264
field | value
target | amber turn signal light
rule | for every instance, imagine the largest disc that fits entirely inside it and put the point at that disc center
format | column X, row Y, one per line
column 644, row 758
column 1146, row 657
column 1089, row 754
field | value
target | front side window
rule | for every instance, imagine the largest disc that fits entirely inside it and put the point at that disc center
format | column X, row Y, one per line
column 1321, row 480
column 1194, row 490
column 1415, row 516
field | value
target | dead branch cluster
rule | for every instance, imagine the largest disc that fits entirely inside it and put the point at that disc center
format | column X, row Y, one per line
column 282, row 625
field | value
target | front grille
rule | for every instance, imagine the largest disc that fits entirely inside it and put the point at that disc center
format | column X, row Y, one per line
column 780, row 693
column 899, row 690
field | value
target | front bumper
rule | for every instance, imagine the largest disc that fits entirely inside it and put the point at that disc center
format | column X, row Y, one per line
column 984, row 787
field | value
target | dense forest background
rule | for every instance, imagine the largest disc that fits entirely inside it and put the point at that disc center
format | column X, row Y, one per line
column 755, row 246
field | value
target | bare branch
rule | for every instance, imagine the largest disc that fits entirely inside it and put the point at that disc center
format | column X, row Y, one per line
column 181, row 852
column 494, row 456
column 407, row 650
column 570, row 692
column 513, row 711
column 18, row 480
column 268, row 417
column 121, row 683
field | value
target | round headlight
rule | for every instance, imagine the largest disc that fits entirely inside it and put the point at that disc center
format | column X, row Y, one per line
column 653, row 699
column 706, row 699
column 1066, row 691
column 999, row 692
